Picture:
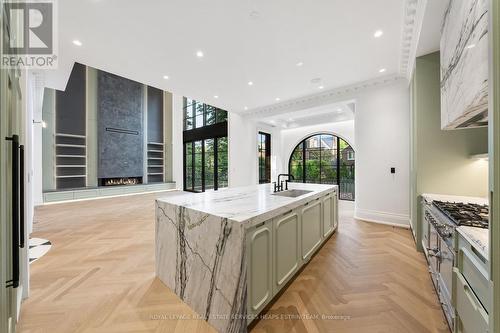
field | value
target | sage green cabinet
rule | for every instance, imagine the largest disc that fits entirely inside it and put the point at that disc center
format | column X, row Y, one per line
column 329, row 220
column 310, row 228
column 259, row 242
column 278, row 248
column 472, row 294
column 472, row 317
column 286, row 257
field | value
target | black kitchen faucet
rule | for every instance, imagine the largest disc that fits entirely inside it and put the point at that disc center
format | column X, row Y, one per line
column 279, row 187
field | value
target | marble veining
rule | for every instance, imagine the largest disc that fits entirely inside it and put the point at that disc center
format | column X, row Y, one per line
column 249, row 204
column 200, row 257
column 479, row 238
column 464, row 63
column 200, row 246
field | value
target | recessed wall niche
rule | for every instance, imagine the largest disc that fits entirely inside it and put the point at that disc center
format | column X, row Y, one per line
column 105, row 131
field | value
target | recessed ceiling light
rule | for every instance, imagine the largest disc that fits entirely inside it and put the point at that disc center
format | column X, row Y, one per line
column 339, row 110
column 272, row 121
column 199, row 54
column 250, row 83
column 165, row 77
column 77, row 42
column 299, row 64
column 216, row 96
column 254, row 14
column 470, row 46
column 291, row 119
column 320, row 87
column 378, row 33
column 245, row 108
column 277, row 99
column 382, row 70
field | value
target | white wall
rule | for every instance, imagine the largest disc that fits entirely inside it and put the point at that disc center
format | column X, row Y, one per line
column 382, row 141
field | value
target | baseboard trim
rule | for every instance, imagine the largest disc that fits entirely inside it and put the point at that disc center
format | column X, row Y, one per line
column 394, row 220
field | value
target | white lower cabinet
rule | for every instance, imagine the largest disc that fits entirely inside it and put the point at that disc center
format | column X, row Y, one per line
column 310, row 229
column 287, row 261
column 259, row 260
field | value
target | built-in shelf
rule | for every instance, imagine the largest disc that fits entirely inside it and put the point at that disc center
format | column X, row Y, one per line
column 64, row 135
column 70, row 145
column 70, row 148
column 72, row 156
column 155, row 153
column 72, row 176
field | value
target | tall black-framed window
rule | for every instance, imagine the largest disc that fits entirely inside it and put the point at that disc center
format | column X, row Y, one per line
column 324, row 159
column 264, row 156
column 205, row 147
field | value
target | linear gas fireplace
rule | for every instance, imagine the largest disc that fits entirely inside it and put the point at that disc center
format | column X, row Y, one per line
column 120, row 181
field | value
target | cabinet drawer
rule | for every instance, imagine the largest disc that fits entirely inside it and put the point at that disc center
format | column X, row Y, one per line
column 471, row 267
column 472, row 317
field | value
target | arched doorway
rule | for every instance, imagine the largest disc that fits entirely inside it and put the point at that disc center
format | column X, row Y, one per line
column 324, row 159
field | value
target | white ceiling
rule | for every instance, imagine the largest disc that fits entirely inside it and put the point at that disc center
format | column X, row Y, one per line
column 312, row 116
column 242, row 40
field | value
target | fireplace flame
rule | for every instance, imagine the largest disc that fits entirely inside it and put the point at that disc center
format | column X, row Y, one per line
column 121, row 181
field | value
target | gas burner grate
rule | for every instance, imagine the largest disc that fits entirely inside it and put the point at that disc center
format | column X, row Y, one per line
column 465, row 214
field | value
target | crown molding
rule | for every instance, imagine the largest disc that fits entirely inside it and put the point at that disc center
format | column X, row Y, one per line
column 323, row 98
column 414, row 11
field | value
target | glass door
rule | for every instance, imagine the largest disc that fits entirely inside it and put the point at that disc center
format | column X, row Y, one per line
column 205, row 164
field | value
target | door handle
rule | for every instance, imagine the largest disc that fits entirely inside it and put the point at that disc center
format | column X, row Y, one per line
column 21, row 196
column 14, row 282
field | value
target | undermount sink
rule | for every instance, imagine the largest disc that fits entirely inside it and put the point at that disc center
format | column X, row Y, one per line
column 292, row 193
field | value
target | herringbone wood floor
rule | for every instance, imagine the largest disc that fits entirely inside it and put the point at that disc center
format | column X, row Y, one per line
column 99, row 277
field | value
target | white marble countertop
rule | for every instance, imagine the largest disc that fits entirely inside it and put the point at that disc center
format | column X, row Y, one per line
column 254, row 203
column 429, row 197
column 479, row 238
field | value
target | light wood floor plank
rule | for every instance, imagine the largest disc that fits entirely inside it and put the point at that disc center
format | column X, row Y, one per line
column 99, row 277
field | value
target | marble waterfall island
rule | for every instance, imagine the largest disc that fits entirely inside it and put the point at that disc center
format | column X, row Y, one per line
column 227, row 253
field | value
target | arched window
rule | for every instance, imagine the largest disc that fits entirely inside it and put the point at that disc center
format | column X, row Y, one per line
column 324, row 159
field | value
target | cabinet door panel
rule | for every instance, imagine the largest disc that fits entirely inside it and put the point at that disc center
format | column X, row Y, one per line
column 286, row 248
column 335, row 213
column 328, row 216
column 259, row 247
column 311, row 228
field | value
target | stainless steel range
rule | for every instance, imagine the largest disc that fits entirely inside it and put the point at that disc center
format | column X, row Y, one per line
column 442, row 218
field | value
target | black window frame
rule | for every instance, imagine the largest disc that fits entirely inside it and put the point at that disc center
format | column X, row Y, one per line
column 302, row 146
column 216, row 131
column 266, row 177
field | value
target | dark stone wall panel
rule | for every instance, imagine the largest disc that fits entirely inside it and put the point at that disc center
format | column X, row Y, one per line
column 120, row 127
